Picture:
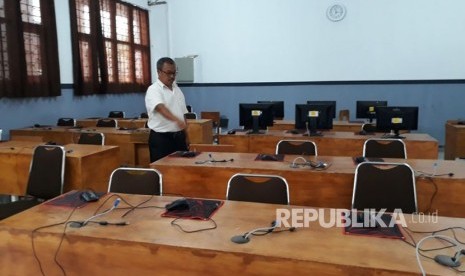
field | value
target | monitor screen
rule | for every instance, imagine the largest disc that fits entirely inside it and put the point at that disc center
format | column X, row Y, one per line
column 313, row 117
column 255, row 116
column 331, row 103
column 367, row 109
column 395, row 118
column 278, row 108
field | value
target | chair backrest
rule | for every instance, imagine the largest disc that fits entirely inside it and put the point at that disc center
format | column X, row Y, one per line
column 136, row 181
column 298, row 147
column 369, row 127
column 144, row 115
column 116, row 114
column 258, row 188
column 66, row 122
column 384, row 148
column 46, row 174
column 107, row 123
column 379, row 185
column 190, row 115
column 92, row 138
column 212, row 115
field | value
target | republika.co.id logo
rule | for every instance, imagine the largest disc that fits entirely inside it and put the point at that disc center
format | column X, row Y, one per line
column 327, row 218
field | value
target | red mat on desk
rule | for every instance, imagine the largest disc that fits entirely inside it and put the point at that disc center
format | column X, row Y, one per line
column 198, row 209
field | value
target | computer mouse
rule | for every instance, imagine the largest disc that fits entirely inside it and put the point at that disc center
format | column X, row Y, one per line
column 319, row 165
column 268, row 157
column 232, row 131
column 362, row 132
column 89, row 196
column 294, row 131
column 178, row 204
column 188, row 154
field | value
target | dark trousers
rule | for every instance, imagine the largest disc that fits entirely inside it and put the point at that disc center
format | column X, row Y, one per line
column 162, row 144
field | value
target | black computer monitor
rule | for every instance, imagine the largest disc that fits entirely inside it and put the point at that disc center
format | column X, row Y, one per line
column 313, row 117
column 278, row 109
column 331, row 103
column 367, row 109
column 395, row 118
column 255, row 116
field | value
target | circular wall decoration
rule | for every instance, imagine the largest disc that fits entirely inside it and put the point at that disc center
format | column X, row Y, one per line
column 336, row 12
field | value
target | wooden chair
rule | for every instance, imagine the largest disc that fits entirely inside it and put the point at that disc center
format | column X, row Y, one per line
column 136, row 181
column 116, row 114
column 46, row 178
column 384, row 148
column 298, row 147
column 66, row 122
column 92, row 138
column 379, row 185
column 258, row 188
column 107, row 123
column 190, row 115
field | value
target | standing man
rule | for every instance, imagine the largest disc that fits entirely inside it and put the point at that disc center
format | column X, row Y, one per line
column 166, row 107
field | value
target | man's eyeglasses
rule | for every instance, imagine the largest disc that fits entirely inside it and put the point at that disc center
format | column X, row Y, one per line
column 169, row 73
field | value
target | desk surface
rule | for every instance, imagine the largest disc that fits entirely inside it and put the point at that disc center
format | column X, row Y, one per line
column 86, row 166
column 336, row 143
column 150, row 244
column 308, row 187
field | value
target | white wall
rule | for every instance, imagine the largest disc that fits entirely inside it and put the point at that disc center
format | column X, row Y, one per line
column 292, row 40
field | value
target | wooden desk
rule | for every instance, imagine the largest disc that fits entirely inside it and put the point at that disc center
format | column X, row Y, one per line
column 200, row 131
column 133, row 144
column 122, row 122
column 66, row 135
column 150, row 244
column 86, row 166
column 350, row 126
column 455, row 140
column 330, row 188
column 335, row 143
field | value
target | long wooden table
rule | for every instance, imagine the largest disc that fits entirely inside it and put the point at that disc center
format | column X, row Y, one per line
column 350, row 126
column 309, row 187
column 419, row 145
column 151, row 245
column 133, row 143
column 455, row 140
column 86, row 166
column 122, row 122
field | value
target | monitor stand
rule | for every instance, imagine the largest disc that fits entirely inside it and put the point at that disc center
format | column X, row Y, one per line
column 253, row 131
column 313, row 133
column 393, row 135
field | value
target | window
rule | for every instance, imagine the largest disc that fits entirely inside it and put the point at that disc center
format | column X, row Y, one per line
column 111, row 48
column 28, row 49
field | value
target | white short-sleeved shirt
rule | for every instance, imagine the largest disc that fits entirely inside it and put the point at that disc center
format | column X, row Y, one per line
column 158, row 93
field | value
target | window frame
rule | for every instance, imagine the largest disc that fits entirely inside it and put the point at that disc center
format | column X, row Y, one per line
column 19, row 83
column 102, row 82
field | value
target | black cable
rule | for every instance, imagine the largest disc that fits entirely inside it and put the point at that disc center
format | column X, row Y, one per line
column 173, row 223
column 108, row 198
column 47, row 226
column 136, row 206
column 434, row 193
